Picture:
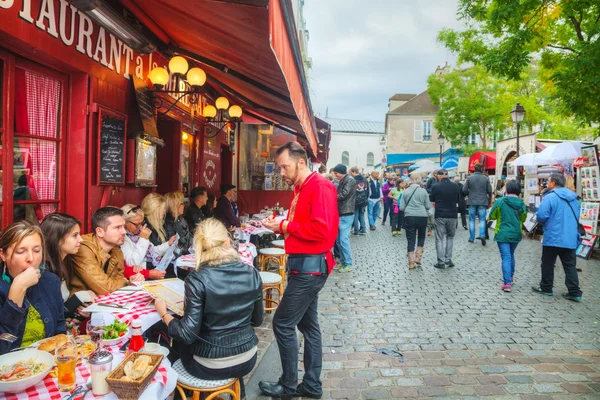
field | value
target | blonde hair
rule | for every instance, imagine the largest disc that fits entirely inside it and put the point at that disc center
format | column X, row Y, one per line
column 154, row 207
column 212, row 245
column 570, row 183
column 174, row 200
column 128, row 214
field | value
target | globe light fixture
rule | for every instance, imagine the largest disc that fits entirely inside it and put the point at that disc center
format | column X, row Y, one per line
column 209, row 112
column 222, row 103
column 196, row 77
column 159, row 76
column 235, row 111
column 178, row 65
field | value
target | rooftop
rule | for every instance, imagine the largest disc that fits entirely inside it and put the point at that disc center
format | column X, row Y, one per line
column 420, row 104
column 355, row 126
column 402, row 96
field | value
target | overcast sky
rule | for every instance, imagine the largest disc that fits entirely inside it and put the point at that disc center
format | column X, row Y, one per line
column 364, row 52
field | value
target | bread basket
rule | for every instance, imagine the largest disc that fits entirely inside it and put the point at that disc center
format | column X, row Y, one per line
column 133, row 389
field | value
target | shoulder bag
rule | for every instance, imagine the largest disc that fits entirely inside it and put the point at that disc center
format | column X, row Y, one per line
column 580, row 228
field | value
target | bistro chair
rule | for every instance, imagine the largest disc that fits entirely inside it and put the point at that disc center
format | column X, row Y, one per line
column 273, row 255
column 280, row 244
column 186, row 381
column 270, row 282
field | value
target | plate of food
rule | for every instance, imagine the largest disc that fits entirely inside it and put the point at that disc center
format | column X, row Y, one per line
column 20, row 370
column 115, row 333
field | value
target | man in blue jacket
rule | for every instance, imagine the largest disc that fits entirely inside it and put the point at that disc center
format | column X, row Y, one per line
column 559, row 211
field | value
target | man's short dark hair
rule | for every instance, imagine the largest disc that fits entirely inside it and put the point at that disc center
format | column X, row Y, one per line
column 296, row 151
column 513, row 187
column 478, row 167
column 197, row 192
column 101, row 216
column 354, row 170
column 558, row 179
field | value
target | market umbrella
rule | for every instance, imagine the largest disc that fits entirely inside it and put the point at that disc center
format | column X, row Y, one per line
column 426, row 169
column 559, row 152
column 422, row 163
column 526, row 160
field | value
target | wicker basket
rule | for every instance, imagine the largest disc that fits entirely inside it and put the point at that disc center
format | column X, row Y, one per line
column 133, row 389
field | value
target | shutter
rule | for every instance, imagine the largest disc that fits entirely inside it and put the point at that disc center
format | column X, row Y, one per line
column 418, row 131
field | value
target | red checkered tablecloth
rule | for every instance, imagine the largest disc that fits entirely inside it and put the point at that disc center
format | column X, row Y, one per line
column 141, row 301
column 47, row 389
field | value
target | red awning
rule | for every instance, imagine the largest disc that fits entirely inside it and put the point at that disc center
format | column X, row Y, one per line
column 245, row 49
column 487, row 158
column 324, row 134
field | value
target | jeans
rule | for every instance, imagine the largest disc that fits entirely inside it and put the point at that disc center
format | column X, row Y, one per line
column 298, row 308
column 477, row 212
column 387, row 208
column 374, row 208
column 569, row 262
column 359, row 216
column 507, row 254
column 397, row 221
column 414, row 225
column 444, row 228
column 343, row 239
column 202, row 372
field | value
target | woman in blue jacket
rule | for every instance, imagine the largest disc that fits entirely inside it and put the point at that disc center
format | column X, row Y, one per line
column 31, row 305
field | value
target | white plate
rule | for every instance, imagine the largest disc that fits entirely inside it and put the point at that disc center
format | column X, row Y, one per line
column 161, row 350
column 118, row 340
column 22, row 384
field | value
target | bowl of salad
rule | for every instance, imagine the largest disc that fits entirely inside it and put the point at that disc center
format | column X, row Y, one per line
column 20, row 370
column 115, row 333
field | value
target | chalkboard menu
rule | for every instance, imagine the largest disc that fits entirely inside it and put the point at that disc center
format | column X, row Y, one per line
column 112, row 133
column 144, row 101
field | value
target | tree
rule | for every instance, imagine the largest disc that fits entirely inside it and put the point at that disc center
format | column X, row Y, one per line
column 470, row 101
column 506, row 36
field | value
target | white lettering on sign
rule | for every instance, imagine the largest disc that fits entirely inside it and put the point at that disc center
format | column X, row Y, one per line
column 63, row 17
column 47, row 12
column 6, row 3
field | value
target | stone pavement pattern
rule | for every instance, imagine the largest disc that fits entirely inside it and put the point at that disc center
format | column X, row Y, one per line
column 461, row 336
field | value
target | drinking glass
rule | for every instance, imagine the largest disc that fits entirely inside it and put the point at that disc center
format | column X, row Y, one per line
column 96, row 332
column 66, row 359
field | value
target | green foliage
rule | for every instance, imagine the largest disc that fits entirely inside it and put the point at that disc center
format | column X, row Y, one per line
column 506, row 36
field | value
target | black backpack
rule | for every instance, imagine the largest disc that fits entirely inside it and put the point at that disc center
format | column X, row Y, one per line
column 362, row 193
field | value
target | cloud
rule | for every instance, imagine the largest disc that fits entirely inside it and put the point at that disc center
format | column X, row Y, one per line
column 364, row 52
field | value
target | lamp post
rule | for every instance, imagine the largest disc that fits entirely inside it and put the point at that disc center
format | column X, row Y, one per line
column 441, row 140
column 517, row 114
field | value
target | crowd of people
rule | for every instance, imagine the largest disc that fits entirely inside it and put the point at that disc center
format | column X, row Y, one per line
column 420, row 205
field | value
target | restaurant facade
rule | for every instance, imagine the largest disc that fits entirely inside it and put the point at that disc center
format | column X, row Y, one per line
column 82, row 127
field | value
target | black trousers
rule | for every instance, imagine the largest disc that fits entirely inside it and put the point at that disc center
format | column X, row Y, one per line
column 568, row 259
column 387, row 208
column 414, row 226
column 463, row 217
column 298, row 308
column 397, row 220
column 202, row 372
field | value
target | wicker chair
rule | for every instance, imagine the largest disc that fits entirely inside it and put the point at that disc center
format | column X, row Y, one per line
column 187, row 381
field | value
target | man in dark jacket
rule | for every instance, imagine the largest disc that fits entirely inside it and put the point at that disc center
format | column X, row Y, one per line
column 224, row 210
column 462, row 203
column 479, row 190
column 445, row 195
column 193, row 215
column 362, row 198
column 346, row 198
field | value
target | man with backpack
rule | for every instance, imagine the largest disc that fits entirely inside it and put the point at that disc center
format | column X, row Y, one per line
column 362, row 198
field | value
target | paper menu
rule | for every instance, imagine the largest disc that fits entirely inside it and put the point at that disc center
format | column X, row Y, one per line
column 170, row 290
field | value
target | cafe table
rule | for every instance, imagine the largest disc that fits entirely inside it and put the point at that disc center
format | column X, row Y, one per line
column 247, row 252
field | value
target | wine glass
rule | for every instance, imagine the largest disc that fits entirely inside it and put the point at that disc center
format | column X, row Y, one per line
column 96, row 332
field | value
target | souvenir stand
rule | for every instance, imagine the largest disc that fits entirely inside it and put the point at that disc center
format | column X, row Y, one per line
column 588, row 188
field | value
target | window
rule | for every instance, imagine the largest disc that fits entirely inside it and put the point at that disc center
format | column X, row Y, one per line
column 35, row 104
column 418, row 129
column 346, row 158
column 472, row 139
column 427, row 131
column 370, row 159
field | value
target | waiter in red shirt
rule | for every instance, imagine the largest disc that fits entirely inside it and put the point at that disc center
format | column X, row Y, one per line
column 310, row 231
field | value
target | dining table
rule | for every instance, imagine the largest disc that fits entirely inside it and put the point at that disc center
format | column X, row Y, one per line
column 164, row 381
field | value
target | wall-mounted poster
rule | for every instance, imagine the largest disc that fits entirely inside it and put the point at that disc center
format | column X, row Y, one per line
column 590, row 187
column 531, row 185
column 588, row 217
column 590, row 156
column 145, row 163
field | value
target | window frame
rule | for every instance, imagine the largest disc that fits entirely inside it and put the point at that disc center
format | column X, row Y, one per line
column 418, row 123
column 9, row 134
column 370, row 153
column 347, row 154
column 428, row 138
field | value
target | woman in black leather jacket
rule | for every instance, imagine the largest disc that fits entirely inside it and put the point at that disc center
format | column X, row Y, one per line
column 223, row 301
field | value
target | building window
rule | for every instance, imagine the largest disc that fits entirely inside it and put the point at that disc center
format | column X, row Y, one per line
column 427, row 131
column 472, row 139
column 370, row 159
column 346, row 158
column 418, row 129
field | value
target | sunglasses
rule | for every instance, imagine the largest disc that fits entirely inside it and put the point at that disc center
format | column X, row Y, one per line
column 134, row 210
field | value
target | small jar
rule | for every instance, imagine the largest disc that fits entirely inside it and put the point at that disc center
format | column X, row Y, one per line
column 101, row 366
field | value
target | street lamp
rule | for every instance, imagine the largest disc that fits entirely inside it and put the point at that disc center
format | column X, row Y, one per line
column 441, row 140
column 517, row 114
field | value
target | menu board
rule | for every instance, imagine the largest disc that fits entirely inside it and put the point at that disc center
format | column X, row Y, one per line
column 145, row 106
column 112, row 131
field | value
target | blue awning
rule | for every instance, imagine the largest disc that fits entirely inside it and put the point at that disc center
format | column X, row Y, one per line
column 450, row 162
column 408, row 157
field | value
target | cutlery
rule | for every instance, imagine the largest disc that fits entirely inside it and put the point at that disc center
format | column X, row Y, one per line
column 112, row 305
column 8, row 337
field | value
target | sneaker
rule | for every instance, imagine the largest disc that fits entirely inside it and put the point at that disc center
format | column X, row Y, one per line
column 338, row 266
column 345, row 268
column 571, row 297
column 540, row 291
column 450, row 264
column 483, row 242
column 362, row 233
column 507, row 287
column 471, row 241
column 372, row 228
column 439, row 265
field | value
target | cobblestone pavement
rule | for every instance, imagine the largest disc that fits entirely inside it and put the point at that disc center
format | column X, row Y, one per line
column 461, row 336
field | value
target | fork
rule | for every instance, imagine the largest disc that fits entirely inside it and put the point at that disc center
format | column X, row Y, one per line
column 8, row 337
